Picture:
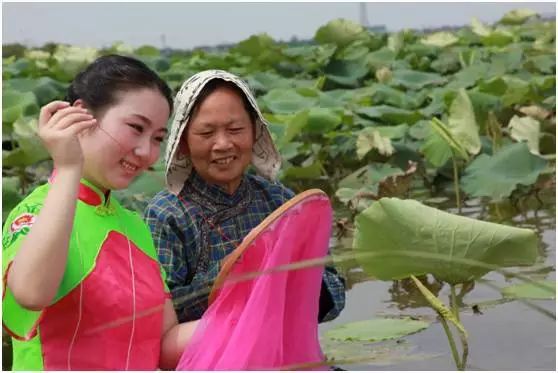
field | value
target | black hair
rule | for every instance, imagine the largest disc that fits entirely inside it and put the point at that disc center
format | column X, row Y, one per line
column 101, row 82
column 212, row 85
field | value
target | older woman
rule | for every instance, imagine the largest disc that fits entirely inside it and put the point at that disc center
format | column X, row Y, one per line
column 212, row 203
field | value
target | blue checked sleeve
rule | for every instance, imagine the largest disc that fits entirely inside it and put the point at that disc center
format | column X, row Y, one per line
column 174, row 238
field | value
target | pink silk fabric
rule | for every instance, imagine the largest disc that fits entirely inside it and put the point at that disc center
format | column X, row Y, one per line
column 271, row 321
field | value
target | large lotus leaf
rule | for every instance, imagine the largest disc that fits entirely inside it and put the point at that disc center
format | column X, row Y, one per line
column 17, row 104
column 25, row 133
column 526, row 129
column 545, row 63
column 356, row 50
column 323, row 120
column 462, row 123
column 383, row 57
column 498, row 175
column 517, row 16
column 416, row 80
column 294, row 126
column 255, row 45
column 339, row 32
column 390, row 114
column 446, row 63
column 370, row 138
column 147, row 51
column 506, row 61
column 346, row 72
column 313, row 171
column 10, row 195
column 71, row 60
column 518, row 92
column 376, row 329
column 440, row 39
column 539, row 290
column 470, row 76
column 45, row 89
column 494, row 86
column 397, row 238
column 286, row 101
column 490, row 37
column 384, row 94
column 436, row 150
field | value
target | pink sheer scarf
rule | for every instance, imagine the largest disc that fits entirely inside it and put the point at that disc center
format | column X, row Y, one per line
column 270, row 321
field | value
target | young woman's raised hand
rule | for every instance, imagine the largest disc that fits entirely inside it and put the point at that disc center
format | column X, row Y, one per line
column 59, row 127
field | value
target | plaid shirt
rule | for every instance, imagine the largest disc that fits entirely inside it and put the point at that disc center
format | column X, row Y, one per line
column 192, row 240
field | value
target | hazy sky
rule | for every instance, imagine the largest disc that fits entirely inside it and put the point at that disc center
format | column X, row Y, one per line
column 186, row 25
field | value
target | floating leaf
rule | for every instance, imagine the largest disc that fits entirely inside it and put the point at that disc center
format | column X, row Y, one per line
column 405, row 237
column 323, row 120
column 497, row 176
column 390, row 114
column 526, row 129
column 416, row 80
column 538, row 290
column 287, row 101
column 376, row 329
column 346, row 72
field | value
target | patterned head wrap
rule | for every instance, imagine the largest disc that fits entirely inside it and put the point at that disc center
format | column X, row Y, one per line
column 178, row 166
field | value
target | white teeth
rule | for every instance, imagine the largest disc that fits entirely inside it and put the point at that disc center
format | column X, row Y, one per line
column 224, row 161
column 128, row 166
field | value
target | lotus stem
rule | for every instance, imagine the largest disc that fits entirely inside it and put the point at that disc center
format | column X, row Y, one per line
column 453, row 347
column 453, row 303
column 456, row 184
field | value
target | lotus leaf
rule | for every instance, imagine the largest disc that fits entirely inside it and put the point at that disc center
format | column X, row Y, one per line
column 397, row 238
column 497, row 176
column 539, row 290
column 339, row 32
column 526, row 129
column 376, row 329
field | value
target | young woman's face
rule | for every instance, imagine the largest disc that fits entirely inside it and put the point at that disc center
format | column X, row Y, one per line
column 219, row 139
column 128, row 140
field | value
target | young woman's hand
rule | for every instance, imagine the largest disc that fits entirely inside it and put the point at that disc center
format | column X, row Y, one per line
column 59, row 127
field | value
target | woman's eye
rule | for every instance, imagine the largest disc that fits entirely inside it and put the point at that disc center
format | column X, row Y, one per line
column 236, row 129
column 137, row 127
column 159, row 139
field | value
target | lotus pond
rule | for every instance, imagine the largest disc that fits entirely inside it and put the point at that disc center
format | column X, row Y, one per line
column 462, row 121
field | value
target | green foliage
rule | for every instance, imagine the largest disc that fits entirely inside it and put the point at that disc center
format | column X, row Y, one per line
column 399, row 238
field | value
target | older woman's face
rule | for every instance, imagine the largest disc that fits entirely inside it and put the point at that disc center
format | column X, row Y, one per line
column 219, row 139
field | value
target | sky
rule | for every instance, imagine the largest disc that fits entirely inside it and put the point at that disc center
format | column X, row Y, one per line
column 187, row 25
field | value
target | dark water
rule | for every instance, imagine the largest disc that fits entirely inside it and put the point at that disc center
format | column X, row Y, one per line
column 506, row 336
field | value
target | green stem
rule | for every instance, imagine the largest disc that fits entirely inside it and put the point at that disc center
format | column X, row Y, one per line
column 451, row 342
column 453, row 303
column 455, row 310
column 456, row 184
column 465, row 354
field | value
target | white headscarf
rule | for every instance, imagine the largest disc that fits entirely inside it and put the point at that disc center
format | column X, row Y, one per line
column 178, row 167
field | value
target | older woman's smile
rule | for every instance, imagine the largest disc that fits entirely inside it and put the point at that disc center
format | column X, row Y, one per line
column 224, row 160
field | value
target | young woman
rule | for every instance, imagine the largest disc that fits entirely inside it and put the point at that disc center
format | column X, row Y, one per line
column 212, row 203
column 83, row 289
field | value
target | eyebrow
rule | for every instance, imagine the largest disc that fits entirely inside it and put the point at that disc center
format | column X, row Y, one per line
column 147, row 121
